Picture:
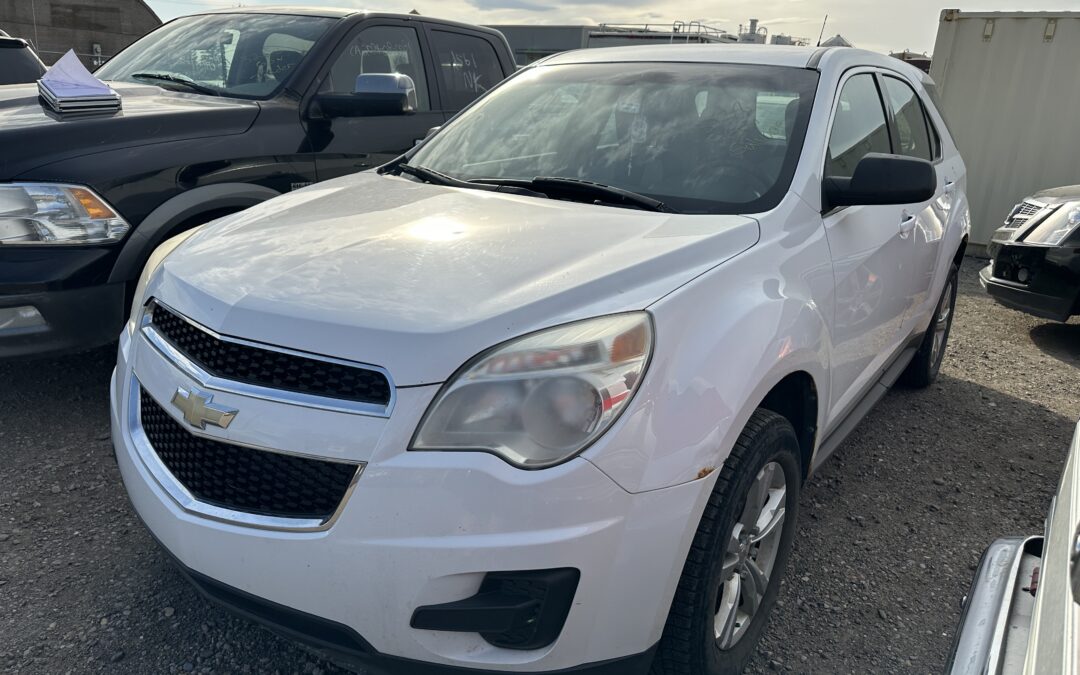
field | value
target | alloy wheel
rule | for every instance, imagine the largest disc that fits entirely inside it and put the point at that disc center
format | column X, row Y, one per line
column 750, row 555
column 941, row 324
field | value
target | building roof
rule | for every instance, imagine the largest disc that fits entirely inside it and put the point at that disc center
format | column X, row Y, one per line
column 837, row 40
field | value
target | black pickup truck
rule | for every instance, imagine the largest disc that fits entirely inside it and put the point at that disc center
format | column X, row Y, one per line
column 220, row 111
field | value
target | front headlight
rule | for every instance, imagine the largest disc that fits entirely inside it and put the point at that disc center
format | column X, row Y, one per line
column 541, row 399
column 53, row 213
column 1056, row 227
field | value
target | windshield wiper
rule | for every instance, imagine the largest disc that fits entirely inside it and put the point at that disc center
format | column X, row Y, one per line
column 601, row 194
column 437, row 178
column 175, row 79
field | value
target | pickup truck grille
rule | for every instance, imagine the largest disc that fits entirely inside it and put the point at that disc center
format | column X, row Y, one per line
column 269, row 368
column 244, row 479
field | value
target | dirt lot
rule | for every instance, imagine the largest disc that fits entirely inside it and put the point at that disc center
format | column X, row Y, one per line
column 891, row 528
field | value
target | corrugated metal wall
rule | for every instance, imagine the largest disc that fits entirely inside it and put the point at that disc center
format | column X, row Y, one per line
column 1012, row 101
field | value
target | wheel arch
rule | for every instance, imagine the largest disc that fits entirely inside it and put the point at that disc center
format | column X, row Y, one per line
column 179, row 213
column 795, row 398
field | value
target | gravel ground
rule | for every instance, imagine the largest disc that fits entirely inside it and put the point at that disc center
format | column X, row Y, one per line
column 891, row 528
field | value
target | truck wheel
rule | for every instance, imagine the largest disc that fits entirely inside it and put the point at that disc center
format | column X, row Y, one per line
column 732, row 573
column 926, row 364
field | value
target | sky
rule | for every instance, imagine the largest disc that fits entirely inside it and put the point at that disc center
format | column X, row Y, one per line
column 879, row 26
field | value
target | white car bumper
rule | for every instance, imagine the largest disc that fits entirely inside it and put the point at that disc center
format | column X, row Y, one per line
column 421, row 529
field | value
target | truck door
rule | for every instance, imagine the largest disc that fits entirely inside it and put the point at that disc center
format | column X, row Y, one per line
column 872, row 254
column 348, row 144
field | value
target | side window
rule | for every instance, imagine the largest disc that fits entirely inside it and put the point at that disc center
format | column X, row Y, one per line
column 468, row 67
column 380, row 49
column 859, row 127
column 914, row 138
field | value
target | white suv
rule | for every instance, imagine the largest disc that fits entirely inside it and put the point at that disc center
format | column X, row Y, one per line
column 540, row 395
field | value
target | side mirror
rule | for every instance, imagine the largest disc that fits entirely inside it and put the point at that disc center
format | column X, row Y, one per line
column 882, row 179
column 374, row 94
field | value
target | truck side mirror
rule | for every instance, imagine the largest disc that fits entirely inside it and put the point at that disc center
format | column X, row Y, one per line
column 374, row 94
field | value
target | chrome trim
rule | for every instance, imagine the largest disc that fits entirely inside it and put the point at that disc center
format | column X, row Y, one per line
column 186, row 501
column 1001, row 621
column 215, row 383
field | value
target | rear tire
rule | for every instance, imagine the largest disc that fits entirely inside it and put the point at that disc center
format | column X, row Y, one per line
column 722, row 605
column 925, row 366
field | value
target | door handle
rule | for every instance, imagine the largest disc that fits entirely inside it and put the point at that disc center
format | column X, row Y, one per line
column 948, row 186
column 906, row 226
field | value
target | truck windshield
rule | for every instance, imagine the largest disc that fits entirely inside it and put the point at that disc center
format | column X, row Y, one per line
column 239, row 55
column 700, row 138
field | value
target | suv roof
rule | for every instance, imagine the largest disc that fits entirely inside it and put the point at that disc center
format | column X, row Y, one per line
column 769, row 55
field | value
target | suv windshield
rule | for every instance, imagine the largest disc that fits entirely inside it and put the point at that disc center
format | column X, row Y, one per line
column 241, row 55
column 701, row 138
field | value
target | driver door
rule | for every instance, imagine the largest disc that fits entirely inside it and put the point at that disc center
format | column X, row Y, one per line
column 344, row 145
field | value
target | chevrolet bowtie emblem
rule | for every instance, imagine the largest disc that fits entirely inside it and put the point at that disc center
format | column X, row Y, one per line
column 199, row 411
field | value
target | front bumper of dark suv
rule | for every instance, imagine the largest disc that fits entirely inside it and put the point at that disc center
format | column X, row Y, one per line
column 1040, row 280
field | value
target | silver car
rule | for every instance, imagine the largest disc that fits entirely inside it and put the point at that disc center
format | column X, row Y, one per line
column 1023, row 612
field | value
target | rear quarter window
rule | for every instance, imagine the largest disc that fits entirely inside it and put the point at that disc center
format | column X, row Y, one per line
column 468, row 66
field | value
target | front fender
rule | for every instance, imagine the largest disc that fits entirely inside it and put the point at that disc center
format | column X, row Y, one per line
column 162, row 221
column 722, row 342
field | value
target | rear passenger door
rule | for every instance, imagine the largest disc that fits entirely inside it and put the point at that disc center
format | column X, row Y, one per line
column 871, row 248
column 916, row 136
column 349, row 144
column 467, row 65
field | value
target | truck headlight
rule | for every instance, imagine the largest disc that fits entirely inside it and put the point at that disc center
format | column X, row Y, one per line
column 543, row 398
column 1055, row 227
column 54, row 213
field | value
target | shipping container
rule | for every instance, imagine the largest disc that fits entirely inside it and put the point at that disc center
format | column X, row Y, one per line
column 1010, row 89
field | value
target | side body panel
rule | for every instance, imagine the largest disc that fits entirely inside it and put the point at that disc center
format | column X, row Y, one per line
column 723, row 341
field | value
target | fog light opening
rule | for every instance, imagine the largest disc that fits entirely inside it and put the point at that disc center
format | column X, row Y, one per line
column 22, row 319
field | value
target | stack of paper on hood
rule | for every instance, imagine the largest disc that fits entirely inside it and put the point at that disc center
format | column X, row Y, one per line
column 69, row 87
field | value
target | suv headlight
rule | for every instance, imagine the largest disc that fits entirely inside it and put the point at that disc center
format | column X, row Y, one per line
column 54, row 213
column 152, row 263
column 1055, row 227
column 541, row 399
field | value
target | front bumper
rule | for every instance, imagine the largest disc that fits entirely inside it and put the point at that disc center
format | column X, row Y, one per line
column 1041, row 280
column 73, row 320
column 68, row 286
column 993, row 630
column 421, row 529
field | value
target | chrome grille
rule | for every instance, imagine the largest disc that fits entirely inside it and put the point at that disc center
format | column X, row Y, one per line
column 1022, row 213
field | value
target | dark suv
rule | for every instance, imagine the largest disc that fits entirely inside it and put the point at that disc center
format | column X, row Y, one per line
column 220, row 111
column 18, row 62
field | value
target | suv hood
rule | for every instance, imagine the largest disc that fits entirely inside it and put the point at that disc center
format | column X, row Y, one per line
column 32, row 135
column 418, row 279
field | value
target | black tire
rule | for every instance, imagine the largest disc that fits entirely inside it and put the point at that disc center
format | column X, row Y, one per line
column 689, row 645
column 925, row 366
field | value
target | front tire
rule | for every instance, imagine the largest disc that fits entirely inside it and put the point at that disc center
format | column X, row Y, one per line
column 732, row 573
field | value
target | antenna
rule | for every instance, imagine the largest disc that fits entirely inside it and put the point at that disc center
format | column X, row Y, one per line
column 822, row 33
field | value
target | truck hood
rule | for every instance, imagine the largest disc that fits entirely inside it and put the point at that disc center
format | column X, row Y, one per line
column 32, row 135
column 418, row 278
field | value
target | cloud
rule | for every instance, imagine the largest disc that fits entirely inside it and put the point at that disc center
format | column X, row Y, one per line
column 509, row 4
